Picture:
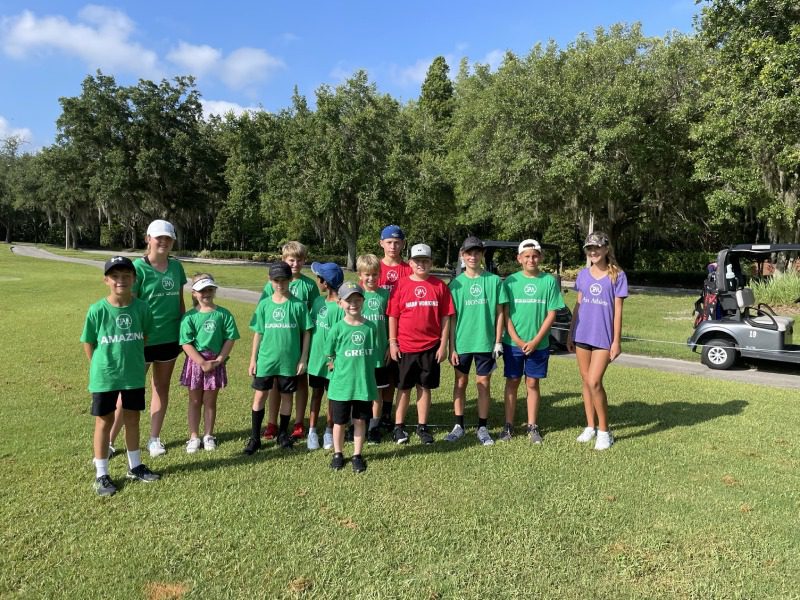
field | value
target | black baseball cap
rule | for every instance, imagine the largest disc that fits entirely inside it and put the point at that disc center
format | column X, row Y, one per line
column 471, row 243
column 280, row 270
column 118, row 262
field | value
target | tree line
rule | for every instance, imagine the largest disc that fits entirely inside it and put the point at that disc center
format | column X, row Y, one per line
column 674, row 142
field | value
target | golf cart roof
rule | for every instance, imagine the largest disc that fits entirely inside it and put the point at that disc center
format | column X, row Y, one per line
column 497, row 244
column 764, row 248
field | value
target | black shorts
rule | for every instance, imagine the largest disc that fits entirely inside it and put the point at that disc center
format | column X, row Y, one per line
column 286, row 385
column 588, row 347
column 419, row 368
column 316, row 382
column 393, row 371
column 484, row 363
column 343, row 410
column 382, row 377
column 104, row 403
column 162, row 352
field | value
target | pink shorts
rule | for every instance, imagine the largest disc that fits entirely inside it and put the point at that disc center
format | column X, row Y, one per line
column 193, row 377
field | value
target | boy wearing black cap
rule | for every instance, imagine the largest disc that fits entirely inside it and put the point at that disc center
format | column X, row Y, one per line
column 475, row 335
column 113, row 338
column 279, row 353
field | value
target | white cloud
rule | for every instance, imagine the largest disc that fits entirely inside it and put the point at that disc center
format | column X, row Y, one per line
column 6, row 131
column 101, row 38
column 289, row 37
column 223, row 107
column 493, row 59
column 197, row 60
column 411, row 75
column 246, row 66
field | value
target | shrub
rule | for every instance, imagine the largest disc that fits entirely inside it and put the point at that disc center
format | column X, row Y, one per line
column 777, row 290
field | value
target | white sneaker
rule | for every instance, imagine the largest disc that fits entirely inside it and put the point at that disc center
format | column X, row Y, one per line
column 209, row 442
column 604, row 440
column 155, row 447
column 484, row 437
column 111, row 451
column 327, row 440
column 193, row 445
column 455, row 435
column 312, row 441
column 587, row 435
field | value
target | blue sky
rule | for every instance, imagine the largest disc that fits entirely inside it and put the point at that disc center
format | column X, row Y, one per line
column 252, row 54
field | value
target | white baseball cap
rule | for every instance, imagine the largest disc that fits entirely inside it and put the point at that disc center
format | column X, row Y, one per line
column 421, row 251
column 161, row 227
column 529, row 244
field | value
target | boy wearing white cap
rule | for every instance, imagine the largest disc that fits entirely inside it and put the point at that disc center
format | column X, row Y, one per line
column 419, row 313
column 533, row 299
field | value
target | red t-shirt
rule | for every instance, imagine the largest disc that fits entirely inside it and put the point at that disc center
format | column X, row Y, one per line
column 419, row 307
column 389, row 276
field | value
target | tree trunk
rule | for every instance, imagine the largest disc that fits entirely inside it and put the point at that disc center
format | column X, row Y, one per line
column 66, row 232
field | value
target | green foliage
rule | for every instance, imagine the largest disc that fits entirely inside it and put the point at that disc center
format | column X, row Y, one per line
column 673, row 260
column 781, row 289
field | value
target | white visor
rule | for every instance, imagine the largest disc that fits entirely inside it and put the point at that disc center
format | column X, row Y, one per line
column 201, row 284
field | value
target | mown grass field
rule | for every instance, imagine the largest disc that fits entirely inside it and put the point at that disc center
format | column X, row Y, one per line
column 699, row 498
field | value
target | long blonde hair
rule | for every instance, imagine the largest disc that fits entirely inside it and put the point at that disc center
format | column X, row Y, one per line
column 611, row 261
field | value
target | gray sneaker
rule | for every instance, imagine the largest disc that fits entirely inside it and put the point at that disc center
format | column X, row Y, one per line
column 534, row 435
column 455, row 435
column 506, row 435
column 484, row 437
column 104, row 486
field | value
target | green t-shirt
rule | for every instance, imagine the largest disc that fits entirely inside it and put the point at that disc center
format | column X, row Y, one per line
column 162, row 292
column 475, row 300
column 529, row 301
column 375, row 311
column 324, row 315
column 354, row 364
column 208, row 330
column 281, row 327
column 118, row 336
column 303, row 288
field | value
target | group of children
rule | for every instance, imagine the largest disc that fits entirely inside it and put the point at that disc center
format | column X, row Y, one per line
column 355, row 342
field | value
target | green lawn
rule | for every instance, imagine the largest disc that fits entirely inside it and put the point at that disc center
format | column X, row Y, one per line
column 699, row 498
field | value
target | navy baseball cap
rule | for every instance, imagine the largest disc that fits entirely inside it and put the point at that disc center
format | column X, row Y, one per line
column 331, row 273
column 280, row 270
column 118, row 262
column 392, row 232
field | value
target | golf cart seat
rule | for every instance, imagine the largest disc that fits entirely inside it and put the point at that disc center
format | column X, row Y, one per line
column 745, row 299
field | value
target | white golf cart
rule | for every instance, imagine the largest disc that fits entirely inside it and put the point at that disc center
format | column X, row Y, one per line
column 729, row 325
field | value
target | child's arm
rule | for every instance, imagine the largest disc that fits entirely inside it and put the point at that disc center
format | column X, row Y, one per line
column 254, row 354
column 453, row 353
column 543, row 331
column 441, row 353
column 303, row 362
column 512, row 332
column 198, row 359
column 498, row 331
column 225, row 352
column 394, row 347
column 89, row 350
column 571, row 334
column 616, row 346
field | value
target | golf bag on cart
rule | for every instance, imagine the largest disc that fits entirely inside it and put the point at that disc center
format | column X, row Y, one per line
column 707, row 305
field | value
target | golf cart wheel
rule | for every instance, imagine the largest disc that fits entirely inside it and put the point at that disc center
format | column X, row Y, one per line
column 719, row 354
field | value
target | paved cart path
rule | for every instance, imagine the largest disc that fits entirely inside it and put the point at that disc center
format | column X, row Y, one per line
column 783, row 376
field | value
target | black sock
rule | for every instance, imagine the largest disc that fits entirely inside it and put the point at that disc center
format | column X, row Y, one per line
column 483, row 422
column 257, row 419
column 460, row 420
column 386, row 410
column 399, row 425
column 509, row 426
column 283, row 423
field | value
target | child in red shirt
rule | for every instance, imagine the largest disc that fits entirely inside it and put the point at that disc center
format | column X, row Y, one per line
column 419, row 313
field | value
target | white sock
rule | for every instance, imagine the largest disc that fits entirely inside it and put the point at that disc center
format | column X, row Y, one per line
column 602, row 433
column 101, row 466
column 134, row 458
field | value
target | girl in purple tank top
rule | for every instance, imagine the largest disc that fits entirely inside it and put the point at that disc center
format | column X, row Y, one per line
column 595, row 332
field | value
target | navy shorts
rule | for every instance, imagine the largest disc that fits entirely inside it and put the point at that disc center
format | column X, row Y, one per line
column 484, row 363
column 316, row 382
column 286, row 385
column 343, row 410
column 588, row 347
column 419, row 368
column 162, row 352
column 516, row 363
column 104, row 403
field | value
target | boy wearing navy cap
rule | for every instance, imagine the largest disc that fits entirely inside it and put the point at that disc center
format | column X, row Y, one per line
column 279, row 353
column 113, row 338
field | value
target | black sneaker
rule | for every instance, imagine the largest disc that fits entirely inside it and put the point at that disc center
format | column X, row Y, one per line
column 142, row 473
column 424, row 434
column 337, row 462
column 507, row 433
column 374, row 436
column 359, row 464
column 387, row 424
column 399, row 435
column 253, row 444
column 104, row 486
column 285, row 440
